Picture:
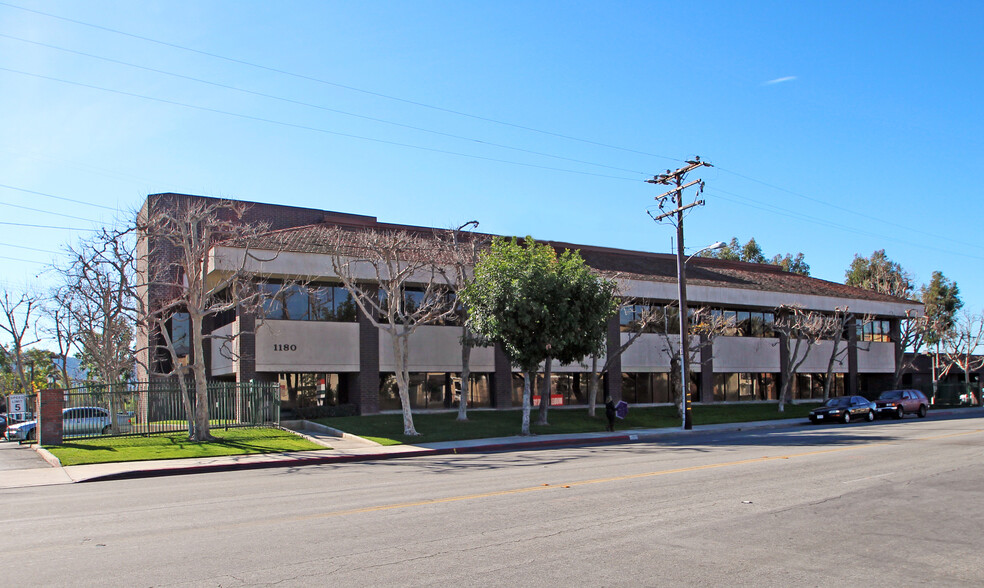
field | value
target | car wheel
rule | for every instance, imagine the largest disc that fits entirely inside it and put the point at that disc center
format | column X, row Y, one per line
column 107, row 430
column 899, row 413
column 846, row 418
column 922, row 411
column 30, row 435
column 870, row 416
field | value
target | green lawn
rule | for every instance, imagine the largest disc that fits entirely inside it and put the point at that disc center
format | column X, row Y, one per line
column 177, row 445
column 387, row 429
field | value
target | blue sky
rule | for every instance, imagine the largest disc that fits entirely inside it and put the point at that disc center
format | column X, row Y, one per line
column 835, row 128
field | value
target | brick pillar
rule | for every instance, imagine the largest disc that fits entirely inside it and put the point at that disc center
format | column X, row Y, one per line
column 613, row 383
column 50, row 405
column 247, row 348
column 366, row 393
column 501, row 379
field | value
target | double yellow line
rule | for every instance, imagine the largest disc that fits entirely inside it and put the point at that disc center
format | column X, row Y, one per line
column 401, row 505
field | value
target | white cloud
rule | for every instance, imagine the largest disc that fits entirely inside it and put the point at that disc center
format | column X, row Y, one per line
column 779, row 80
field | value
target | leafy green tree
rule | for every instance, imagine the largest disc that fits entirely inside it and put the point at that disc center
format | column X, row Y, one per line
column 792, row 264
column 879, row 274
column 941, row 299
column 539, row 306
column 751, row 252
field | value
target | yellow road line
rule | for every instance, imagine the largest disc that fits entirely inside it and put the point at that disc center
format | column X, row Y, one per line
column 615, row 478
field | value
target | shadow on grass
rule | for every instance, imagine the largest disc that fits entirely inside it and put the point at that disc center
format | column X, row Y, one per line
column 86, row 446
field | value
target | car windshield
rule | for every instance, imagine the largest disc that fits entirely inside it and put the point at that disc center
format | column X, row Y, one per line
column 838, row 402
column 890, row 395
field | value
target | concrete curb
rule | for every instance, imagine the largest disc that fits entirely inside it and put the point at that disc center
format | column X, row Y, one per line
column 47, row 456
column 576, row 440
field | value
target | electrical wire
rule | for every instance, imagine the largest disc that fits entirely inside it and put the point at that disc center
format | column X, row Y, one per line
column 48, row 212
column 320, row 107
column 47, row 227
column 742, row 201
column 57, row 197
column 845, row 209
column 30, row 248
column 310, row 128
column 336, row 84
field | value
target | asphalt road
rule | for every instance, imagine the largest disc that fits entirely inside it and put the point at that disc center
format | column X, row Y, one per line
column 882, row 504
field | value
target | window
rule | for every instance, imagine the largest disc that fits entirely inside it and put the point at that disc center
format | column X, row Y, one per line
column 308, row 303
column 877, row 331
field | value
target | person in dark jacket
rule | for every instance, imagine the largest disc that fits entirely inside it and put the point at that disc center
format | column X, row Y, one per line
column 610, row 412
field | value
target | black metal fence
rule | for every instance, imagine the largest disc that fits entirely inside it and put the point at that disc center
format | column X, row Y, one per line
column 158, row 407
column 949, row 394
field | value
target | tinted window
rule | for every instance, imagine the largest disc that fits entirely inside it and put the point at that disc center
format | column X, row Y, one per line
column 890, row 395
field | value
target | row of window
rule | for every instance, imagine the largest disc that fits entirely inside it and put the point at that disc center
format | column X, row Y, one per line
column 308, row 303
column 665, row 319
column 300, row 302
column 442, row 390
column 660, row 318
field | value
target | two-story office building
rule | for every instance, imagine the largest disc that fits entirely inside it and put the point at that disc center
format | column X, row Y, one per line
column 314, row 341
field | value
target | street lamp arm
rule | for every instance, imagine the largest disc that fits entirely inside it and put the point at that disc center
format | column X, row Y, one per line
column 716, row 246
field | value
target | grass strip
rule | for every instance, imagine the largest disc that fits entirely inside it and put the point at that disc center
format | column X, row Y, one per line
column 176, row 446
column 387, row 429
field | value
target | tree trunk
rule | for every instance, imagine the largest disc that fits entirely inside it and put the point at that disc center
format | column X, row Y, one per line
column 401, row 355
column 545, row 392
column 828, row 382
column 201, row 383
column 186, row 401
column 676, row 386
column 593, row 387
column 527, row 398
column 466, row 348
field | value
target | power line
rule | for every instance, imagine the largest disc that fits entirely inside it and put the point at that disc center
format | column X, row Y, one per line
column 24, row 260
column 57, row 197
column 320, row 107
column 47, row 212
column 845, row 209
column 30, row 248
column 47, row 227
column 336, row 84
column 811, row 219
column 310, row 128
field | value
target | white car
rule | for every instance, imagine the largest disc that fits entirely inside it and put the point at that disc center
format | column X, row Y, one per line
column 83, row 420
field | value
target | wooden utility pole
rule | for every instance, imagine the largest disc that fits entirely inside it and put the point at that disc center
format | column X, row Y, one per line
column 676, row 178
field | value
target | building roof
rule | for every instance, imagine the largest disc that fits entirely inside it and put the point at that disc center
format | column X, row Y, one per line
column 635, row 265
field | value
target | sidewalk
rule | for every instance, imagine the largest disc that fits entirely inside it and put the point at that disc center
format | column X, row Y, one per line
column 349, row 448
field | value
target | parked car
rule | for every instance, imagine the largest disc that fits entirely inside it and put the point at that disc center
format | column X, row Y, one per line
column 898, row 403
column 844, row 409
column 3, row 424
column 83, row 420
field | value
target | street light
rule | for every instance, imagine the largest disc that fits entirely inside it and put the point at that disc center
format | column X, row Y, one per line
column 685, row 329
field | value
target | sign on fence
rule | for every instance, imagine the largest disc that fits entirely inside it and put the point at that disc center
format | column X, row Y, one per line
column 17, row 403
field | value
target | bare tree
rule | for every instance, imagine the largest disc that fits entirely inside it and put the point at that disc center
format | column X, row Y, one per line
column 464, row 255
column 20, row 309
column 643, row 317
column 99, row 289
column 834, row 328
column 705, row 327
column 184, row 235
column 962, row 344
column 400, row 281
column 62, row 328
column 798, row 331
column 912, row 336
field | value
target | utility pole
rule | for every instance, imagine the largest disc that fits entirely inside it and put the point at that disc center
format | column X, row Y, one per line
column 675, row 196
